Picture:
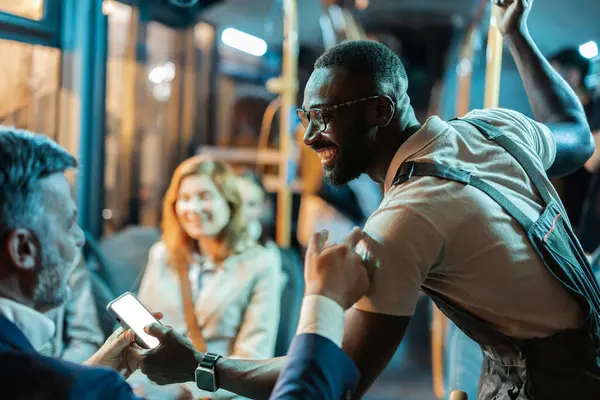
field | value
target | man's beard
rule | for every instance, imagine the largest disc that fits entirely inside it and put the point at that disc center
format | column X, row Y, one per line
column 355, row 155
column 51, row 290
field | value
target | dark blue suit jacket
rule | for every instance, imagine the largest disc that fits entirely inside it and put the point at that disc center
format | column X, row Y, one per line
column 316, row 369
column 27, row 375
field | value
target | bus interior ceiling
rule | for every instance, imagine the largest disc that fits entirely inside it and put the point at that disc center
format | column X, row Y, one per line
column 419, row 31
column 422, row 32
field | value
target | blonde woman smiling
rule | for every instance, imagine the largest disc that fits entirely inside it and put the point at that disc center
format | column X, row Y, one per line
column 209, row 278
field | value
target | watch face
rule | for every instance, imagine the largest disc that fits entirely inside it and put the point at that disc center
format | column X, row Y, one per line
column 205, row 380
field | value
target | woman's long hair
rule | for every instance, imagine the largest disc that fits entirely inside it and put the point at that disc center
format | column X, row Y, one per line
column 181, row 247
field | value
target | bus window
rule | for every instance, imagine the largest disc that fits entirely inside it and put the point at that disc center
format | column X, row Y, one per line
column 30, row 9
column 29, row 87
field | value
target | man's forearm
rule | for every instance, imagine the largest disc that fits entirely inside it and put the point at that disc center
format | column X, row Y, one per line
column 551, row 98
column 249, row 378
column 256, row 379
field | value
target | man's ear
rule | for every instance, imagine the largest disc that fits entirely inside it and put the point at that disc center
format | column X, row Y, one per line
column 23, row 249
column 385, row 111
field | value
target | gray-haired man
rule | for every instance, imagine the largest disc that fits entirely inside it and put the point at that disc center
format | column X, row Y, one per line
column 39, row 245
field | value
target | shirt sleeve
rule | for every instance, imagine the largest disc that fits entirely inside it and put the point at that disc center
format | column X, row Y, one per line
column 526, row 131
column 322, row 316
column 406, row 246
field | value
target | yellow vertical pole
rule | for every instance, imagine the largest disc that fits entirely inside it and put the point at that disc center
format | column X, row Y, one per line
column 494, row 61
column 464, row 71
column 438, row 328
column 288, row 91
column 173, row 120
column 189, row 72
column 128, row 117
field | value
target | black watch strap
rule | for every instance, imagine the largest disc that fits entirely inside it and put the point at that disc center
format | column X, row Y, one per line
column 209, row 360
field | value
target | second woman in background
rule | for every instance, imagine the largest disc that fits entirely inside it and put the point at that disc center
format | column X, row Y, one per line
column 209, row 278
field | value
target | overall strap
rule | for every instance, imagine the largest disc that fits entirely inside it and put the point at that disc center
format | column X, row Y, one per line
column 494, row 133
column 411, row 168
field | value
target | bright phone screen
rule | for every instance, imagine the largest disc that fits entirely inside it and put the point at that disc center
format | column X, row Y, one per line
column 130, row 311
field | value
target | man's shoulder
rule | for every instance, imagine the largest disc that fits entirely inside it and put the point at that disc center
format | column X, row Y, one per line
column 55, row 379
column 417, row 196
column 494, row 114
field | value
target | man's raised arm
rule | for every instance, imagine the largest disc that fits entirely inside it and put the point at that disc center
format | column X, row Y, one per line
column 552, row 100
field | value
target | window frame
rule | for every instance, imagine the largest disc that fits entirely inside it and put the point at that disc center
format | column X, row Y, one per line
column 45, row 32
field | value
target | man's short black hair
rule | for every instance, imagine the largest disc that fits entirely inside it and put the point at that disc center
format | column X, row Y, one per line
column 366, row 57
column 572, row 58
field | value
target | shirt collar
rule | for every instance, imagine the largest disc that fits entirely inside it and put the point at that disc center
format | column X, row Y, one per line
column 203, row 263
column 431, row 129
column 36, row 327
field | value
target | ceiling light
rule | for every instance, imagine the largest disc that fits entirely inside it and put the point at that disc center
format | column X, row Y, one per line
column 108, row 7
column 162, row 73
column 244, row 42
column 589, row 50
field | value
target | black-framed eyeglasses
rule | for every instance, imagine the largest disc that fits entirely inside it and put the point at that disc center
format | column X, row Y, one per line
column 320, row 116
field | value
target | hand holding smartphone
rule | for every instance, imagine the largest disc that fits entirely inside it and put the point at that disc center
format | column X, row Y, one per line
column 131, row 314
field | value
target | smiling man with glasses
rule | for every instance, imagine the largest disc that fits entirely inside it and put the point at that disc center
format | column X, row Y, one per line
column 343, row 119
column 469, row 217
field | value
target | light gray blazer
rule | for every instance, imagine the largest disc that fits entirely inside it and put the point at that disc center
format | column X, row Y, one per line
column 237, row 306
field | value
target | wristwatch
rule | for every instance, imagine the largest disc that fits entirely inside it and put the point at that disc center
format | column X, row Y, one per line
column 206, row 378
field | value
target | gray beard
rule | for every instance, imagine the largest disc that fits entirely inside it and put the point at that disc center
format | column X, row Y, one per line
column 51, row 290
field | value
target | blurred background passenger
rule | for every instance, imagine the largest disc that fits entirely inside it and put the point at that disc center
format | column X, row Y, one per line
column 259, row 213
column 211, row 280
column 256, row 209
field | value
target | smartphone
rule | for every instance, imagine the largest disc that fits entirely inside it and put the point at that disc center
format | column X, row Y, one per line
column 131, row 314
